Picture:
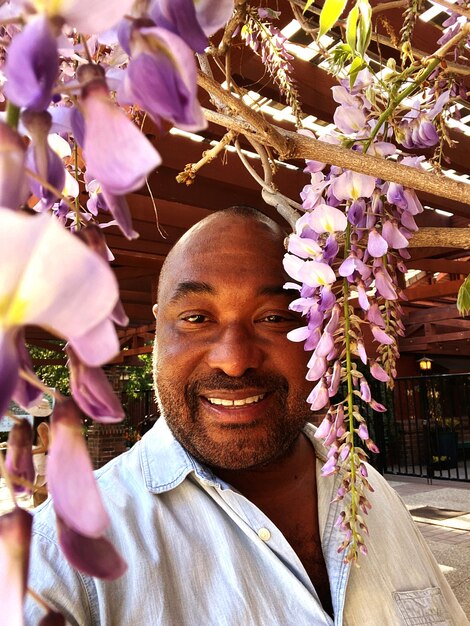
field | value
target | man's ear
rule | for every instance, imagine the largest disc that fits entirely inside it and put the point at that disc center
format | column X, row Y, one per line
column 154, row 310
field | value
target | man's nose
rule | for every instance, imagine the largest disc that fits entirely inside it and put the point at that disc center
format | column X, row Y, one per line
column 235, row 350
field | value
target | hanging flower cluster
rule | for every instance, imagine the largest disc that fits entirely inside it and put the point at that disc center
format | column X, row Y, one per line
column 268, row 42
column 348, row 255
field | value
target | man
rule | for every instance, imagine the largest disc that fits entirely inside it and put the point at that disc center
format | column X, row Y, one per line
column 219, row 510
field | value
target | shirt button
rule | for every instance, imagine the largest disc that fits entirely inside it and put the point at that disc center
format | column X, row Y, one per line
column 264, row 534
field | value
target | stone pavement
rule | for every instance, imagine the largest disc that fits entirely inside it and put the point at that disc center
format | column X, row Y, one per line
column 441, row 511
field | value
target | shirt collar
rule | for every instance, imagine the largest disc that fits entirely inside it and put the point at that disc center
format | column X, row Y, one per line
column 166, row 463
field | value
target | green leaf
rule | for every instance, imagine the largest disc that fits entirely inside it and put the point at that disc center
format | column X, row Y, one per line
column 351, row 27
column 308, row 4
column 463, row 299
column 354, row 69
column 365, row 26
column 330, row 14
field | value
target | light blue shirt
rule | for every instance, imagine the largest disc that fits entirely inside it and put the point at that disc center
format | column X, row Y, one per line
column 200, row 554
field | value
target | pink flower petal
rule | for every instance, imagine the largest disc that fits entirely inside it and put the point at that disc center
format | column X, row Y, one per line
column 98, row 345
column 9, row 364
column 15, row 537
column 318, row 367
column 70, row 476
column 327, row 219
column 335, row 379
column 315, row 274
column 89, row 16
column 92, row 391
column 378, row 372
column 94, row 556
column 318, row 397
column 325, row 345
column 303, row 247
column 81, row 289
column 131, row 157
column 393, row 236
column 352, row 185
column 381, row 336
column 376, row 245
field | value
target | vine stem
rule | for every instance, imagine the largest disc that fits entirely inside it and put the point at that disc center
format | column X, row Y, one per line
column 13, row 115
column 347, row 328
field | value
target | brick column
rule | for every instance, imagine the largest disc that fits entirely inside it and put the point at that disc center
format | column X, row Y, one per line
column 105, row 441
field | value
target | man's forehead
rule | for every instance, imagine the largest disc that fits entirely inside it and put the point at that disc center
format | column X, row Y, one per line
column 224, row 249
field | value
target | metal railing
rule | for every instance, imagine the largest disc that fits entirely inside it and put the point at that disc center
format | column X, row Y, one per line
column 426, row 430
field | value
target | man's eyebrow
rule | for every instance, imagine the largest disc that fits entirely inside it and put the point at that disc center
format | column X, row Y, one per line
column 190, row 287
column 278, row 290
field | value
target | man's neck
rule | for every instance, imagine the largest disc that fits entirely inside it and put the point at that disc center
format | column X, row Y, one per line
column 276, row 477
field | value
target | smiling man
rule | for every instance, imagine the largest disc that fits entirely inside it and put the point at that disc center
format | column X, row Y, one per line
column 220, row 510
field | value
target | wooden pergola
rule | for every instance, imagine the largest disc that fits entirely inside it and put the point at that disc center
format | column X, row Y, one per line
column 441, row 256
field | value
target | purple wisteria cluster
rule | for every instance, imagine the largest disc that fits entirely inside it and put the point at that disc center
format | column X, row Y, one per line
column 74, row 74
column 268, row 43
column 347, row 255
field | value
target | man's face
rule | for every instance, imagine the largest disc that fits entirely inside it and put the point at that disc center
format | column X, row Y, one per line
column 230, row 384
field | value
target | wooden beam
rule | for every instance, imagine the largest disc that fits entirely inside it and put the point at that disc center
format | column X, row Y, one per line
column 457, row 323
column 432, row 338
column 438, row 290
column 455, row 348
column 440, row 265
column 431, row 315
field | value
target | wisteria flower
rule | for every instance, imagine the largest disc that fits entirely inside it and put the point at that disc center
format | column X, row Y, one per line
column 327, row 219
column 70, row 474
column 376, row 244
column 318, row 397
column 378, row 372
column 32, row 66
column 41, row 159
column 161, row 78
column 384, row 284
column 312, row 273
column 192, row 20
column 92, row 391
column 393, row 236
column 349, row 119
column 303, row 247
column 15, row 538
column 81, row 517
column 94, row 556
column 129, row 155
column 72, row 299
column 352, row 185
column 87, row 16
column 13, row 187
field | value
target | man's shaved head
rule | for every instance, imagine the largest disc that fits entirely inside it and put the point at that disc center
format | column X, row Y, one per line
column 242, row 212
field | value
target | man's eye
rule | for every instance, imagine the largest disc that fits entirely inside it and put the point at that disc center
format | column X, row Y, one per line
column 197, row 318
column 276, row 319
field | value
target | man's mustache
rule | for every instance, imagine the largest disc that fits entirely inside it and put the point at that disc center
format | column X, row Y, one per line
column 220, row 381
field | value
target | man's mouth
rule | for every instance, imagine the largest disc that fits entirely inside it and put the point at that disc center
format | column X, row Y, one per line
column 236, row 403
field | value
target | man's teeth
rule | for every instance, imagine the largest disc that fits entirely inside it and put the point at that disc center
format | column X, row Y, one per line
column 242, row 402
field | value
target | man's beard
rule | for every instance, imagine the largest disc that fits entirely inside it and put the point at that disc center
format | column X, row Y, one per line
column 245, row 445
